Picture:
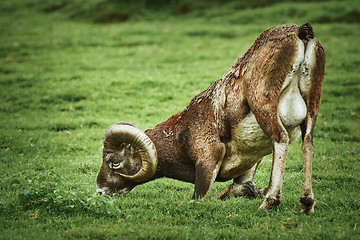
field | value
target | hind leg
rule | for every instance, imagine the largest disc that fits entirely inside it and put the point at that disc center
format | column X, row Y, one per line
column 242, row 186
column 314, row 60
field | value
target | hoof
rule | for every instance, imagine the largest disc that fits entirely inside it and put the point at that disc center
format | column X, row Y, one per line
column 307, row 204
column 250, row 190
column 270, row 203
column 245, row 190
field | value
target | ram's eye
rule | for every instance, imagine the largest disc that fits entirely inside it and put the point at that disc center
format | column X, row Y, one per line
column 115, row 165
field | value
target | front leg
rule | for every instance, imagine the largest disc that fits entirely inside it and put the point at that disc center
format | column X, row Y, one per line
column 208, row 163
column 205, row 176
column 242, row 186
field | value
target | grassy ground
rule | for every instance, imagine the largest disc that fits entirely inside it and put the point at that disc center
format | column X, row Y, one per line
column 65, row 79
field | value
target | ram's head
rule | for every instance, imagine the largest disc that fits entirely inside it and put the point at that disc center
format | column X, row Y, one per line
column 129, row 158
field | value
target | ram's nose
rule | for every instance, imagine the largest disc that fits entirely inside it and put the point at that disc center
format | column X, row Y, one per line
column 102, row 191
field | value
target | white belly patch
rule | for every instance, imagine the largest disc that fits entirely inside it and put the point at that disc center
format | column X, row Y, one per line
column 248, row 146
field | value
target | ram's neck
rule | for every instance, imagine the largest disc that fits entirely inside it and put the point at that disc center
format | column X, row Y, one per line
column 172, row 162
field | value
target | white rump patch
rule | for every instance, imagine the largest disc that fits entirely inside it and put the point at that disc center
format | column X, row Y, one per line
column 292, row 107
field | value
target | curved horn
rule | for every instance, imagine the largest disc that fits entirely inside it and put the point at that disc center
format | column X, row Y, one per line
column 120, row 133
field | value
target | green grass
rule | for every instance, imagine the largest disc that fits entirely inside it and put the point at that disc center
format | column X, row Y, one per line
column 65, row 79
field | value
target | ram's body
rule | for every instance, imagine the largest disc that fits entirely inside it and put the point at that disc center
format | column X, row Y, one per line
column 267, row 99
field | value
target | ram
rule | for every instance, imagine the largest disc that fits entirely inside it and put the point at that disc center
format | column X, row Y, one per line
column 266, row 100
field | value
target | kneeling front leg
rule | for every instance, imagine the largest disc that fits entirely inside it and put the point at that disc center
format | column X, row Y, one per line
column 245, row 190
column 207, row 168
column 242, row 187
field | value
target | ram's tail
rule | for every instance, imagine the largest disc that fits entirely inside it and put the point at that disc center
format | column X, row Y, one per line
column 306, row 32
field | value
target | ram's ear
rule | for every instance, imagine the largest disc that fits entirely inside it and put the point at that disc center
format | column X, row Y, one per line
column 122, row 135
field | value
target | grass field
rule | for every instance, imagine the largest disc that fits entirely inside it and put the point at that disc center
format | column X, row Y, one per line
column 65, row 76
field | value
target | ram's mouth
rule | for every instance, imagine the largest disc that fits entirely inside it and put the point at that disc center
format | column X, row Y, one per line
column 123, row 191
column 106, row 191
